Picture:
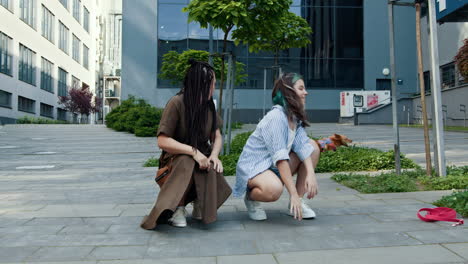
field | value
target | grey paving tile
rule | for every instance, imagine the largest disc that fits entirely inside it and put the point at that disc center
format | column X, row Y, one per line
column 16, row 254
column 247, row 259
column 460, row 248
column 454, row 235
column 74, row 240
column 201, row 260
column 42, row 230
column 271, row 243
column 60, row 254
column 84, row 229
column 7, row 222
column 55, row 221
column 424, row 254
column 136, row 220
column 118, row 253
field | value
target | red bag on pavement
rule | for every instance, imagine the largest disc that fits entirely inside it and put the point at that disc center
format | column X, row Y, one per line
column 440, row 214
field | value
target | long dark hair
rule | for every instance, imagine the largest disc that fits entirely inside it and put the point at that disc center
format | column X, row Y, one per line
column 196, row 89
column 284, row 95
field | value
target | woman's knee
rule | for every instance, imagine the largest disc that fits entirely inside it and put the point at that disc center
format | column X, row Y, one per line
column 273, row 193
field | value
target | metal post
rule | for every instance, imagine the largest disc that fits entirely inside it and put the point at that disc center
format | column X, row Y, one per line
column 231, row 101
column 210, row 44
column 396, row 133
column 225, row 112
column 436, row 92
column 463, row 109
column 264, row 90
column 408, row 115
column 427, row 146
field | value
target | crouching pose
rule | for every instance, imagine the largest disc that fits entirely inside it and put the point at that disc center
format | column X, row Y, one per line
column 190, row 139
column 279, row 148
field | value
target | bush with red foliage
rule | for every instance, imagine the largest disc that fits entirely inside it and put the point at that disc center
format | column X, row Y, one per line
column 79, row 101
column 461, row 59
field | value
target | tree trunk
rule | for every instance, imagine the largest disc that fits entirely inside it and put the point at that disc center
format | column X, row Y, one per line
column 423, row 92
column 221, row 82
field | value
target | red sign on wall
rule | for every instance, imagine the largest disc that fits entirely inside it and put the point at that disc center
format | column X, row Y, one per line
column 372, row 101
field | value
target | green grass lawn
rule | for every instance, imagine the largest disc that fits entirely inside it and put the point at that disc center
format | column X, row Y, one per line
column 446, row 128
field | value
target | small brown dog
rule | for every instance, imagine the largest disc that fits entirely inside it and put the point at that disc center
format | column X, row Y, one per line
column 332, row 142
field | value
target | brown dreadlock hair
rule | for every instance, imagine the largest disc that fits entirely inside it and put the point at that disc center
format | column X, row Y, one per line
column 196, row 89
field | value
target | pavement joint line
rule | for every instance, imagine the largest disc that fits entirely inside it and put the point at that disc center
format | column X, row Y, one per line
column 443, row 245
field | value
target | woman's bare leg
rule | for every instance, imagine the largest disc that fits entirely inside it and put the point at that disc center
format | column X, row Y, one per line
column 265, row 187
column 301, row 172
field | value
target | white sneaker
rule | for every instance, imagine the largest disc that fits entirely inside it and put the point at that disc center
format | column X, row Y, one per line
column 196, row 212
column 254, row 209
column 178, row 218
column 307, row 212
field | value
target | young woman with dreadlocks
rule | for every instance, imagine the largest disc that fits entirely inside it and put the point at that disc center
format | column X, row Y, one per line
column 279, row 148
column 190, row 138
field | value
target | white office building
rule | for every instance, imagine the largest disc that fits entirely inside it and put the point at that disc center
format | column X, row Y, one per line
column 46, row 47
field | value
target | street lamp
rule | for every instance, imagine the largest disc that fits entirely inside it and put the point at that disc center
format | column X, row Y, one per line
column 386, row 72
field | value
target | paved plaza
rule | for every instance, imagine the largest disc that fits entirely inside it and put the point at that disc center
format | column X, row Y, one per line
column 77, row 193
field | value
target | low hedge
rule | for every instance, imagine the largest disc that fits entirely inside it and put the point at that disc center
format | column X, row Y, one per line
column 135, row 116
column 38, row 120
column 458, row 201
column 408, row 181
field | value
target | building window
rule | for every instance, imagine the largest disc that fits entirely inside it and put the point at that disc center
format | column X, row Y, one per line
column 77, row 10
column 75, row 83
column 5, row 55
column 26, row 105
column 64, row 3
column 76, row 48
column 63, row 37
column 447, row 73
column 62, row 82
column 427, row 81
column 46, row 75
column 6, row 4
column 86, row 19
column 61, row 114
column 47, row 110
column 27, row 12
column 5, row 99
column 27, row 69
column 85, row 57
column 333, row 60
column 47, row 24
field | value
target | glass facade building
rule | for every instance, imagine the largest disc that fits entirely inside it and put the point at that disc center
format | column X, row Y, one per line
column 334, row 60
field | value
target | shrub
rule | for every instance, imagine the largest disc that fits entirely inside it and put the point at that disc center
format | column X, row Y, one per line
column 406, row 182
column 151, row 162
column 386, row 182
column 38, row 120
column 359, row 159
column 458, row 201
column 135, row 116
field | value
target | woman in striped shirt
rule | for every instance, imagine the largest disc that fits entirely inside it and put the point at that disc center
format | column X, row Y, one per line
column 279, row 148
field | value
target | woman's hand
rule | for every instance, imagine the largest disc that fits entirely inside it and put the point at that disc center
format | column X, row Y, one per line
column 217, row 164
column 295, row 207
column 202, row 160
column 311, row 186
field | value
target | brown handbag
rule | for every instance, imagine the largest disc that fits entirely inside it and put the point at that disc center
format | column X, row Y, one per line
column 163, row 173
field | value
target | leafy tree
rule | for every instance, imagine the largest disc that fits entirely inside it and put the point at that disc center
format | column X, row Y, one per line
column 287, row 31
column 461, row 59
column 227, row 14
column 79, row 101
column 175, row 65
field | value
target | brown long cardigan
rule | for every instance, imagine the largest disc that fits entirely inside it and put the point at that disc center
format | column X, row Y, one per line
column 210, row 187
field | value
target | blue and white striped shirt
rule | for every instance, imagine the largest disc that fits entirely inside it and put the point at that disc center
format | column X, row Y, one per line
column 268, row 145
